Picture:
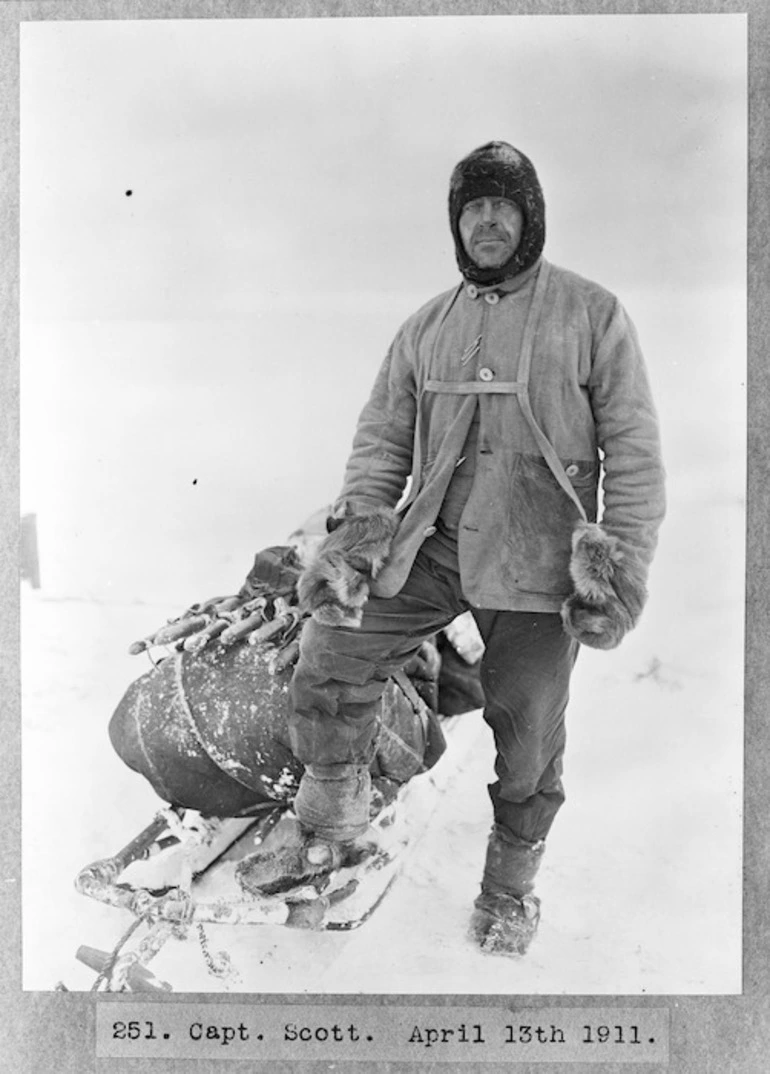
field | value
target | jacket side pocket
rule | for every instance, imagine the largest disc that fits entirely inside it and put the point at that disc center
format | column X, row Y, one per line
column 542, row 520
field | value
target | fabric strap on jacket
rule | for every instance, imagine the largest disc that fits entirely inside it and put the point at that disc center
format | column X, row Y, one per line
column 527, row 346
column 476, row 387
column 520, row 388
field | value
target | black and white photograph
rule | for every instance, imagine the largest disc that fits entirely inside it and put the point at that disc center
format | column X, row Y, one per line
column 383, row 504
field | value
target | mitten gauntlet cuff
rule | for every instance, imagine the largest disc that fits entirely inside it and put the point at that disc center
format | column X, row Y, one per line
column 335, row 585
column 609, row 591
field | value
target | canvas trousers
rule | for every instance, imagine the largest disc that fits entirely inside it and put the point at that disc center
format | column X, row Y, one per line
column 525, row 673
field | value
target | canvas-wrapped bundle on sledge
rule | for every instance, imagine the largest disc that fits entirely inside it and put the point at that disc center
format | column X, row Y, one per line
column 208, row 730
column 207, row 725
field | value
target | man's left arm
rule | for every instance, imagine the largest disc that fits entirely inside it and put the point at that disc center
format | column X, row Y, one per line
column 628, row 434
column 611, row 560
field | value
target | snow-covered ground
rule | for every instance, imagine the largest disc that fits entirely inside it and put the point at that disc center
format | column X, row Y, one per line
column 641, row 885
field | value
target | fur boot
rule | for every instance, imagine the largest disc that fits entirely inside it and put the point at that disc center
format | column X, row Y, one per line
column 506, row 914
column 335, row 585
column 609, row 589
column 504, row 924
column 301, row 860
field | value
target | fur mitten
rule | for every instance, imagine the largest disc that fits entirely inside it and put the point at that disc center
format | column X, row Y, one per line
column 335, row 585
column 609, row 589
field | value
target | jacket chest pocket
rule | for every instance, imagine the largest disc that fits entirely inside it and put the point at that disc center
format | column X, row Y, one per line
column 542, row 519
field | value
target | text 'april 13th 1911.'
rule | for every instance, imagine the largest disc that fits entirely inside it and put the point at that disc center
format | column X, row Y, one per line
column 530, row 1033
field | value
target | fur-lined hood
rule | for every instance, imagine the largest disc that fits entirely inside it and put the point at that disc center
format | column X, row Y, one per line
column 498, row 170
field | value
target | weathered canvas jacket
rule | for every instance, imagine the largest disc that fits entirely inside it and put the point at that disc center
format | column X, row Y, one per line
column 576, row 367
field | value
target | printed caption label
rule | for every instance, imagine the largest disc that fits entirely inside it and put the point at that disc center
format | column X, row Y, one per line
column 367, row 1032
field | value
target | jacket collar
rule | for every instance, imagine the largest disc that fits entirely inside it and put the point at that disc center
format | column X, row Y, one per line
column 505, row 287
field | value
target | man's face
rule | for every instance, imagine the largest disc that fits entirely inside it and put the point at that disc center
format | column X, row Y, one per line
column 490, row 229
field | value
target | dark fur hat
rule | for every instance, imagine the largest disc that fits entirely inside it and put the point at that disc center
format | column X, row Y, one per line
column 498, row 170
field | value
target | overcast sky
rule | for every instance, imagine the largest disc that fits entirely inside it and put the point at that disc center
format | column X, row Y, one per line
column 266, row 156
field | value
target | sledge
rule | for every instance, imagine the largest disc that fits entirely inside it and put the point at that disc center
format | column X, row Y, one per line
column 206, row 725
column 183, row 872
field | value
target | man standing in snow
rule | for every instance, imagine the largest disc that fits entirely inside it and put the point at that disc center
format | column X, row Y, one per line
column 502, row 399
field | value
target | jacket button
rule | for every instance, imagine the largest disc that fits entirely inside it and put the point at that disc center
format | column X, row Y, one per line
column 492, row 298
column 486, row 374
column 572, row 471
column 472, row 291
column 429, row 531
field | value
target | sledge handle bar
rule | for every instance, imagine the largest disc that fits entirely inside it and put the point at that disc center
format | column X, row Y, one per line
column 110, row 868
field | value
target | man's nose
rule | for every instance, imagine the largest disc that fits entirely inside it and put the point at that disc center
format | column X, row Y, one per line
column 487, row 210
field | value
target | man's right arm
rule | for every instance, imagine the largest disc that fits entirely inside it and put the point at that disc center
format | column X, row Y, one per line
column 334, row 586
column 380, row 460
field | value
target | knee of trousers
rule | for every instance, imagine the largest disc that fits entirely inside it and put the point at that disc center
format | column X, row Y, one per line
column 520, row 787
column 334, row 703
column 521, row 776
column 337, row 653
column 334, row 670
